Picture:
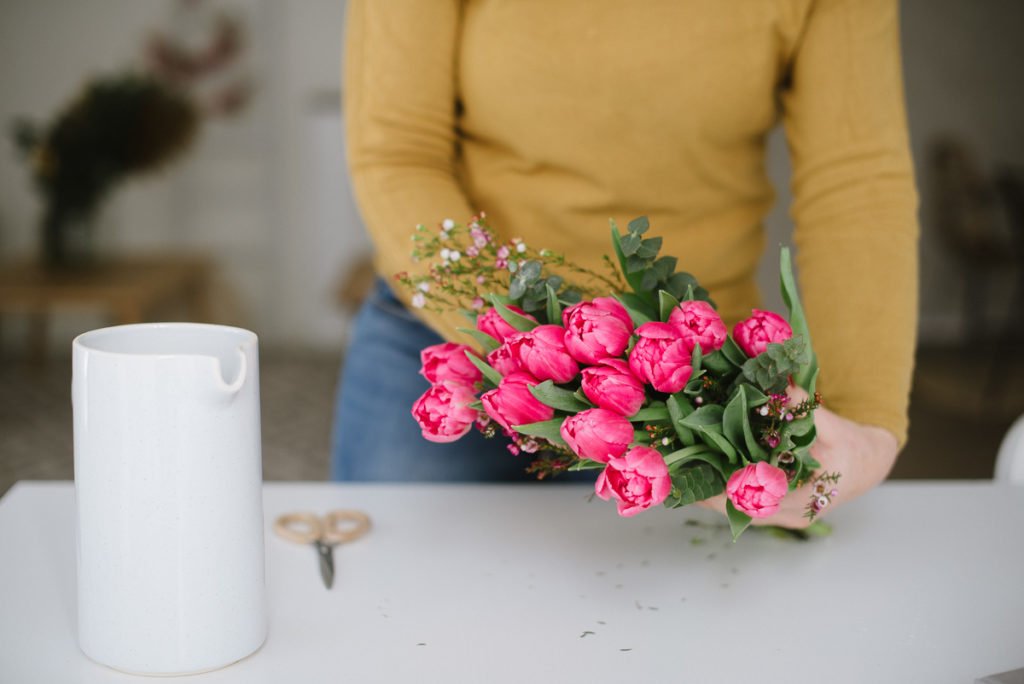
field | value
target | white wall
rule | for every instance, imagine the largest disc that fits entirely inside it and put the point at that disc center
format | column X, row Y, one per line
column 264, row 194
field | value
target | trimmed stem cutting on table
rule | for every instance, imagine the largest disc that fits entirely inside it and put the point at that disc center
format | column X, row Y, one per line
column 630, row 371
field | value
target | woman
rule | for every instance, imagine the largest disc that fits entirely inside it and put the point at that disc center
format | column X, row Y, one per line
column 554, row 116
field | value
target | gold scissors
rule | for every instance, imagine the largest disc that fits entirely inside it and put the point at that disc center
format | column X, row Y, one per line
column 324, row 533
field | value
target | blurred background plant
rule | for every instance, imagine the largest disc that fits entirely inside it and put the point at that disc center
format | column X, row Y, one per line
column 129, row 123
column 117, row 126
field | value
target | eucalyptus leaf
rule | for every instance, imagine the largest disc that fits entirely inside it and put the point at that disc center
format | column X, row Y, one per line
column 639, row 225
column 649, row 279
column 530, row 270
column 630, row 244
column 636, row 265
column 631, row 278
column 649, row 248
column 665, row 266
column 679, row 283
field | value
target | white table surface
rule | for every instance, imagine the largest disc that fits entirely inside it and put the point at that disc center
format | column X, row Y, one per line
column 921, row 582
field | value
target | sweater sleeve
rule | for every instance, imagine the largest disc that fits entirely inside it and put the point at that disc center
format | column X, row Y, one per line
column 855, row 207
column 399, row 106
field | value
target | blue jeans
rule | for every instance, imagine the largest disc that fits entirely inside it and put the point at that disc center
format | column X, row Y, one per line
column 375, row 437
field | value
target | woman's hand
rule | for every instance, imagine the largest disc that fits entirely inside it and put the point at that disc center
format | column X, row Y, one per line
column 862, row 454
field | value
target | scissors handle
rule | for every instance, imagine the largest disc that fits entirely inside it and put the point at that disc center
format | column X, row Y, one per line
column 336, row 527
column 301, row 528
column 342, row 526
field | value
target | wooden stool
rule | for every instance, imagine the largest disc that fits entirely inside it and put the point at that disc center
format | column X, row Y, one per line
column 127, row 289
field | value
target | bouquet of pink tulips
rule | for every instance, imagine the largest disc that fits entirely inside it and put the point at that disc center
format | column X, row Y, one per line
column 631, row 372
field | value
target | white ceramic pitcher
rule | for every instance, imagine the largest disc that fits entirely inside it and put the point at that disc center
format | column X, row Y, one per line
column 168, row 481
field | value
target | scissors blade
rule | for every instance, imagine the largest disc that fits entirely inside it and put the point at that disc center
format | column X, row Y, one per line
column 326, row 554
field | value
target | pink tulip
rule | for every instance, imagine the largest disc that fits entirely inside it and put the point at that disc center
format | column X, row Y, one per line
column 504, row 359
column 698, row 322
column 597, row 434
column 596, row 329
column 542, row 352
column 757, row 489
column 513, row 404
column 493, row 324
column 448, row 362
column 636, row 481
column 442, row 411
column 611, row 385
column 660, row 357
column 754, row 334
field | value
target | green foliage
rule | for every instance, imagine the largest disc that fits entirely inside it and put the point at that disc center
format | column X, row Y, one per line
column 694, row 483
column 666, row 303
column 646, row 273
column 737, row 429
column 714, row 438
column 536, row 294
column 551, row 395
column 698, row 452
column 703, row 416
column 520, row 323
column 545, row 429
column 806, row 376
column 678, row 408
column 738, row 521
column 771, row 369
column 488, row 343
column 491, row 375
column 640, row 311
column 655, row 412
column 554, row 307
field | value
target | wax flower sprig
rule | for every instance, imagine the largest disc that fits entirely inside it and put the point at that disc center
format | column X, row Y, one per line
column 632, row 373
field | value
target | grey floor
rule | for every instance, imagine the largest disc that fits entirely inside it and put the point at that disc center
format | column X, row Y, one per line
column 958, row 417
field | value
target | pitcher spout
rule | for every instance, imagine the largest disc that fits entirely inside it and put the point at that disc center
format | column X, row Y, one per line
column 231, row 370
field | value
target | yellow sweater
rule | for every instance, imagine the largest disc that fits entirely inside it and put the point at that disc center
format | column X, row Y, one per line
column 554, row 115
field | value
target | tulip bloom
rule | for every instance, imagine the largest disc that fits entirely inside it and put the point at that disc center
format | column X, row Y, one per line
column 660, row 357
column 611, row 385
column 597, row 434
column 513, row 404
column 597, row 329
